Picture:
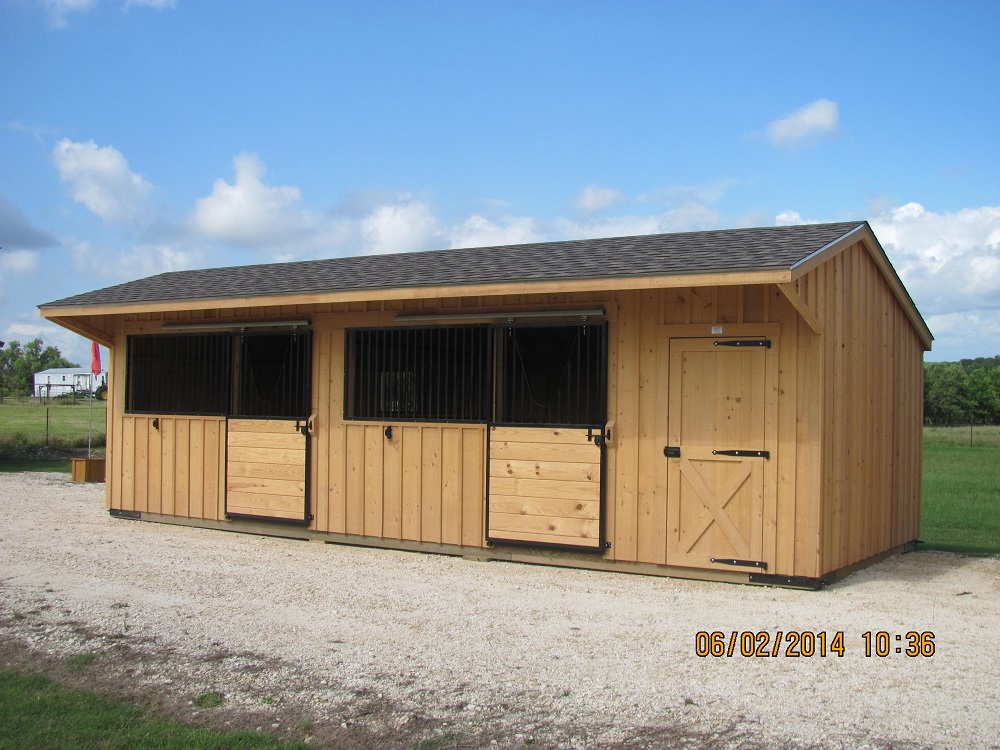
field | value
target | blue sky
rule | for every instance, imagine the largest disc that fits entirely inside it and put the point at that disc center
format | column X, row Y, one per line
column 147, row 135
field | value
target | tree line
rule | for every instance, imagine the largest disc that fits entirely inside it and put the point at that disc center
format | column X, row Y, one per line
column 963, row 392
column 18, row 365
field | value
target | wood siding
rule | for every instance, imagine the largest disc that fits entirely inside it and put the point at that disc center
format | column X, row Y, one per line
column 872, row 423
column 176, row 468
column 545, row 486
column 843, row 386
column 266, row 468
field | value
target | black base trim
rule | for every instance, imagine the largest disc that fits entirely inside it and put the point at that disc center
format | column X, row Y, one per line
column 545, row 545
column 795, row 582
column 268, row 519
column 133, row 514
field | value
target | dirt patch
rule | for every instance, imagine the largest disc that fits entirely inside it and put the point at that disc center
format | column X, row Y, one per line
column 349, row 647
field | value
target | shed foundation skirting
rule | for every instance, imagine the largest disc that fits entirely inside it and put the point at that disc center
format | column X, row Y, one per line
column 526, row 555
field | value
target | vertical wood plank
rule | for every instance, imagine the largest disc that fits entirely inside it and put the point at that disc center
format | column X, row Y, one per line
column 182, row 468
column 337, row 488
column 451, row 485
column 779, row 523
column 627, row 391
column 196, row 462
column 430, row 485
column 412, row 454
column 214, row 469
column 392, row 498
column 809, row 431
column 168, row 466
column 321, row 445
column 651, row 525
column 128, row 464
column 473, row 486
column 374, row 440
column 140, row 480
column 355, row 480
column 154, row 455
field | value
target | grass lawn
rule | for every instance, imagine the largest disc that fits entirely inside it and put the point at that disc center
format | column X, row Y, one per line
column 961, row 504
column 33, row 464
column 23, row 423
column 36, row 712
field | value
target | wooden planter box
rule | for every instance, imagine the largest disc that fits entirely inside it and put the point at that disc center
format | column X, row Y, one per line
column 87, row 469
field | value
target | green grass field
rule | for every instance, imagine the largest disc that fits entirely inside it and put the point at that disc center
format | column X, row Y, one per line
column 27, row 423
column 35, row 712
column 961, row 504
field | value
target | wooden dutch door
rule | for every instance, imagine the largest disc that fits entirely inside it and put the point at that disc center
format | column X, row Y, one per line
column 267, row 444
column 716, row 453
column 547, row 442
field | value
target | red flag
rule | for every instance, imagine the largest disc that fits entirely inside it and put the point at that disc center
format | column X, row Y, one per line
column 95, row 359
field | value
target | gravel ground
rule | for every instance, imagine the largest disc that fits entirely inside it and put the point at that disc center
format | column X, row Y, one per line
column 353, row 647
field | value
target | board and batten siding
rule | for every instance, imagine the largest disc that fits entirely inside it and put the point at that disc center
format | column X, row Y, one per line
column 839, row 424
column 872, row 423
column 638, row 398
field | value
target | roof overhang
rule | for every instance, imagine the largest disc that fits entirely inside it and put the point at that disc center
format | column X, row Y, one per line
column 864, row 234
column 602, row 284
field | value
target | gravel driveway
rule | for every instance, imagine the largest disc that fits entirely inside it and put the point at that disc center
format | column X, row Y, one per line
column 354, row 647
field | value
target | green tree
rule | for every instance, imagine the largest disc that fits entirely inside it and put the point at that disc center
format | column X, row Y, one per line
column 18, row 364
column 945, row 401
column 982, row 395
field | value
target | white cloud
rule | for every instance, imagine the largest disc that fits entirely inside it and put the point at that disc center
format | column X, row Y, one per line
column 594, row 199
column 100, row 179
column 58, row 10
column 816, row 119
column 673, row 195
column 18, row 261
column 790, row 218
column 478, row 231
column 147, row 259
column 950, row 263
column 72, row 346
column 15, row 262
column 401, row 227
column 154, row 4
column 251, row 213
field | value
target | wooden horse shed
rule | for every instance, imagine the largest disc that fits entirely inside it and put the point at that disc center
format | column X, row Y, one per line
column 741, row 405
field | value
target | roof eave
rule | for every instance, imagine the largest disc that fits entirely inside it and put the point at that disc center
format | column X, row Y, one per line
column 863, row 233
column 58, row 313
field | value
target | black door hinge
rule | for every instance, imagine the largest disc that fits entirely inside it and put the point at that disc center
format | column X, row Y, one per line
column 742, row 563
column 766, row 343
column 744, row 454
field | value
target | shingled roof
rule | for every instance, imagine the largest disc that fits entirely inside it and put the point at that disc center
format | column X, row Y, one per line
column 723, row 251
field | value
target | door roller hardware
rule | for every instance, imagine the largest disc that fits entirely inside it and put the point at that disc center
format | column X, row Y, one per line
column 766, row 343
column 742, row 563
column 672, row 451
column 744, row 454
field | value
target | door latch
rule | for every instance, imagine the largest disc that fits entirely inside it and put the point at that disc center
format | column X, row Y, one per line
column 672, row 451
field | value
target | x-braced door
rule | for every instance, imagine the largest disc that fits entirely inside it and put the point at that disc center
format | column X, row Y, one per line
column 716, row 453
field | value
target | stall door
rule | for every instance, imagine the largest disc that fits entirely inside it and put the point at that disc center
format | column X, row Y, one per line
column 266, row 469
column 715, row 456
column 545, row 486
